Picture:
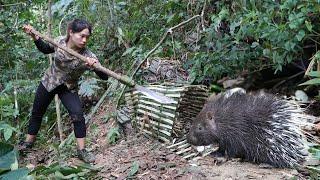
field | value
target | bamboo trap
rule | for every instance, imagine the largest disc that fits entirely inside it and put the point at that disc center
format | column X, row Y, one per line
column 168, row 121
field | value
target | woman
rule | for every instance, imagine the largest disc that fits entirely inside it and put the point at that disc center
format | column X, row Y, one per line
column 62, row 78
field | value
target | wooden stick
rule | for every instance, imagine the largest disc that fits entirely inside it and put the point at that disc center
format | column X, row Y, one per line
column 124, row 79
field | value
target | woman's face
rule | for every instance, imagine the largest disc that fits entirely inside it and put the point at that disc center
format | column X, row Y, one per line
column 80, row 39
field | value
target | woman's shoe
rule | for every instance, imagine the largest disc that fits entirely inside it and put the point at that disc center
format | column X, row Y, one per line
column 85, row 156
column 25, row 146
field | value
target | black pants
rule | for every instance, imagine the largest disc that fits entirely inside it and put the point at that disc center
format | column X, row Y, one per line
column 69, row 99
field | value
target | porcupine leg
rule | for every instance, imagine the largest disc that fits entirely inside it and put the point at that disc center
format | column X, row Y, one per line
column 218, row 153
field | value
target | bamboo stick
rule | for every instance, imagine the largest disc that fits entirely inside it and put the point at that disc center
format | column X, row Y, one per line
column 177, row 144
column 157, row 129
column 190, row 155
column 160, row 111
column 184, row 150
column 157, row 123
column 169, row 121
column 160, row 137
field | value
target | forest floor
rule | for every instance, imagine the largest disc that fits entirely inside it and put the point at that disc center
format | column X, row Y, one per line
column 135, row 156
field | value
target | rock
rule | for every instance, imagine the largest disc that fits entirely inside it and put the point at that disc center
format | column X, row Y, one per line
column 301, row 96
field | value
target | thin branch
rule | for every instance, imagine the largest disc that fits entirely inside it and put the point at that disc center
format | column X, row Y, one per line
column 311, row 64
column 60, row 23
column 14, row 4
column 170, row 30
column 290, row 77
column 56, row 98
column 202, row 15
column 173, row 47
column 111, row 13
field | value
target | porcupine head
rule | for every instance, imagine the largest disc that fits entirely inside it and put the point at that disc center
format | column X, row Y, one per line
column 204, row 129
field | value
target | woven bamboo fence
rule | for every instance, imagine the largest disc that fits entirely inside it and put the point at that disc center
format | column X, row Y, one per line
column 168, row 122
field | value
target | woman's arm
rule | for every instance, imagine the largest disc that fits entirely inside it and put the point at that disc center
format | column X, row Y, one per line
column 41, row 45
column 91, row 60
column 101, row 75
column 44, row 46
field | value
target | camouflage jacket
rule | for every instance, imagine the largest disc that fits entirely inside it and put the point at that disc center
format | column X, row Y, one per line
column 65, row 68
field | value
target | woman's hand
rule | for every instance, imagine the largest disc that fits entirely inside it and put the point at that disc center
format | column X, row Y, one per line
column 92, row 61
column 27, row 29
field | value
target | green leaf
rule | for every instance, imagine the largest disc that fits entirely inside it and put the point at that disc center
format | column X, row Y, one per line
column 88, row 87
column 5, row 148
column 233, row 26
column 59, row 175
column 317, row 154
column 129, row 51
column 21, row 173
column 266, row 52
column 8, row 161
column 215, row 88
column 315, row 81
column 170, row 18
column 314, row 74
column 300, row 35
column 7, row 133
column 308, row 25
column 61, row 6
column 296, row 20
column 289, row 45
column 134, row 168
column 120, row 31
column 254, row 44
column 113, row 135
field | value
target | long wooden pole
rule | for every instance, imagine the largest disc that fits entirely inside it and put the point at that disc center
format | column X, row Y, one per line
column 124, row 79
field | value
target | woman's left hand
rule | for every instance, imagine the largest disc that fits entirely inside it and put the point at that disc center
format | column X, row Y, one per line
column 92, row 61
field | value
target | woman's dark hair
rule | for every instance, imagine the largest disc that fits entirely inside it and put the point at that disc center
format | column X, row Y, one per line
column 77, row 25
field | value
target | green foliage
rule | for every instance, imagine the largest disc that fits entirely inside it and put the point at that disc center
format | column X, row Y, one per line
column 251, row 35
column 314, row 74
column 9, row 115
column 21, row 173
column 9, row 163
column 315, row 170
column 108, row 116
column 113, row 135
column 88, row 87
column 7, row 130
column 134, row 169
column 315, row 151
column 60, row 171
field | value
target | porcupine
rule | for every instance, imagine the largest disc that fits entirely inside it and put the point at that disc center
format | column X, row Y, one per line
column 260, row 128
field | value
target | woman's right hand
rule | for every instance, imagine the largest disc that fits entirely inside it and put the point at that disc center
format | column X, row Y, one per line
column 27, row 29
